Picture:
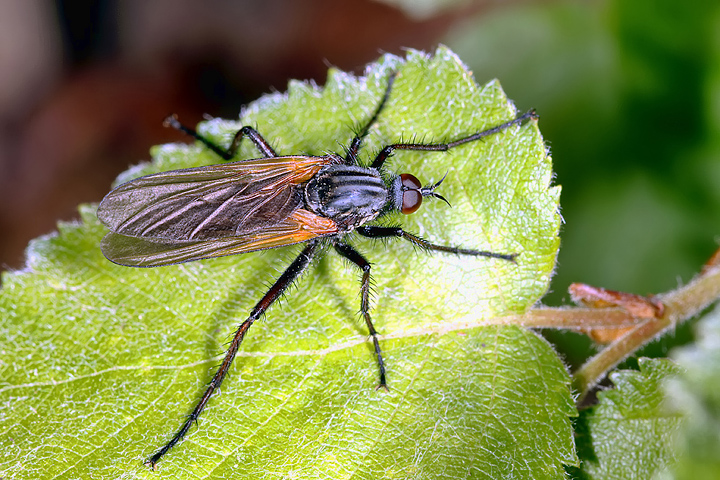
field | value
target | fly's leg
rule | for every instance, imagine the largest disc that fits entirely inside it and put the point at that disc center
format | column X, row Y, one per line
column 354, row 256
column 351, row 156
column 442, row 147
column 265, row 149
column 290, row 275
column 385, row 232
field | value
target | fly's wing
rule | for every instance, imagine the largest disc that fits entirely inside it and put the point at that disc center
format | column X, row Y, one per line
column 300, row 226
column 211, row 202
column 252, row 199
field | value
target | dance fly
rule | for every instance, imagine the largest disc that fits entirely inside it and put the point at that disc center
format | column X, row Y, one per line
column 268, row 202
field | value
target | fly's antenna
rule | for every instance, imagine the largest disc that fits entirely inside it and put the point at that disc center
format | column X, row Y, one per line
column 430, row 190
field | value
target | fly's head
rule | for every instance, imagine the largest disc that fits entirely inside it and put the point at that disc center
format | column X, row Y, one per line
column 408, row 192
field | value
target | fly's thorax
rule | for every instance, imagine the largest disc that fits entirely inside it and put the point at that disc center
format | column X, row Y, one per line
column 395, row 194
column 348, row 194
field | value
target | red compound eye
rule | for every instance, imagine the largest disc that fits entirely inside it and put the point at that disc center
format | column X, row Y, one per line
column 411, row 197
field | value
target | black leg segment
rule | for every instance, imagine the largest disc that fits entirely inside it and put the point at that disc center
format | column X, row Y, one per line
column 290, row 275
column 351, row 156
column 265, row 149
column 354, row 256
column 441, row 147
column 385, row 232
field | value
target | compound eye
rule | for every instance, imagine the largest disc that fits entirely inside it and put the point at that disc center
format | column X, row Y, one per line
column 411, row 196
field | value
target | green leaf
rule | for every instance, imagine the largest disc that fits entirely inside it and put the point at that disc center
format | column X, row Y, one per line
column 629, row 434
column 100, row 363
column 696, row 394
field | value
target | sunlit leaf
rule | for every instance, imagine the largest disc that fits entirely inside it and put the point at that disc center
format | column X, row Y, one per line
column 99, row 363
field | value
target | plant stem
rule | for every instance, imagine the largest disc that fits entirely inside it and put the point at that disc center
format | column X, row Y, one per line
column 577, row 318
column 680, row 305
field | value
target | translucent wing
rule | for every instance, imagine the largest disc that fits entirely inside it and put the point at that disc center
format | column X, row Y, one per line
column 209, row 202
column 300, row 226
column 194, row 213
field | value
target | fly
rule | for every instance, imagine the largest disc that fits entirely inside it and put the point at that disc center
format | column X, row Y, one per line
column 269, row 202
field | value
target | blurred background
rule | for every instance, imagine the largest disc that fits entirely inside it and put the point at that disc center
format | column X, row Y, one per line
column 628, row 94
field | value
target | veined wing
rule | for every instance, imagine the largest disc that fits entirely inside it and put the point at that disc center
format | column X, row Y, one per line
column 300, row 226
column 204, row 203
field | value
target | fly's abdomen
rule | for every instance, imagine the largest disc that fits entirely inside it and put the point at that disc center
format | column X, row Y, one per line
column 349, row 195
